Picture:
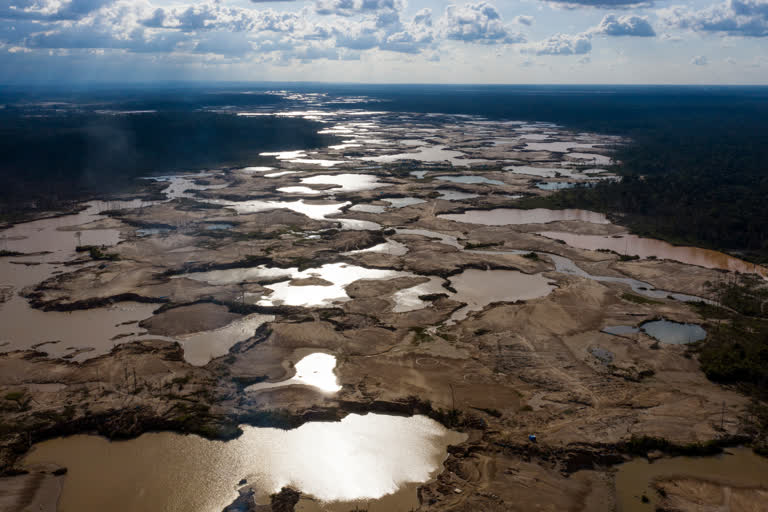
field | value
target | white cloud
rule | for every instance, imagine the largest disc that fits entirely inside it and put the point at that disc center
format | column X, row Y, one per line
column 523, row 20
column 50, row 9
column 223, row 43
column 423, row 17
column 561, row 44
column 630, row 25
column 747, row 18
column 477, row 23
column 352, row 7
column 601, row 4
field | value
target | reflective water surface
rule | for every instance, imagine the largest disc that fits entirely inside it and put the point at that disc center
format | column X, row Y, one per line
column 470, row 180
column 345, row 182
column 431, row 154
column 361, row 457
column 557, row 147
column 314, row 370
column 504, row 216
column 455, row 195
column 200, row 348
column 478, row 288
column 674, row 333
column 633, row 245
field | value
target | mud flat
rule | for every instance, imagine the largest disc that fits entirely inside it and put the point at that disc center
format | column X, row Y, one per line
column 735, row 480
column 508, row 216
column 632, row 245
column 337, row 343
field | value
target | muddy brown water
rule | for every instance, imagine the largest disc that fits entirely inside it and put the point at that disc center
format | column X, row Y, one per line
column 78, row 335
column 633, row 245
column 507, row 216
column 736, row 466
column 200, row 348
column 478, row 288
column 357, row 460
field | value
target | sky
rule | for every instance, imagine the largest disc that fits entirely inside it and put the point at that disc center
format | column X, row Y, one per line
column 386, row 41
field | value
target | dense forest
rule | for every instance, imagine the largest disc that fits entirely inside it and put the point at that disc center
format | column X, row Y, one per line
column 735, row 351
column 55, row 153
column 700, row 182
column 695, row 170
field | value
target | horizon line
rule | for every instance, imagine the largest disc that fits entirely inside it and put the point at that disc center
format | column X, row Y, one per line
column 60, row 83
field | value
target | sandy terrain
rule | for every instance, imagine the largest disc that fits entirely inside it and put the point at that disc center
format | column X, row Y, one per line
column 510, row 369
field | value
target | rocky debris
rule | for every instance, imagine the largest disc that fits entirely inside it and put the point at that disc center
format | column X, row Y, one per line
column 283, row 501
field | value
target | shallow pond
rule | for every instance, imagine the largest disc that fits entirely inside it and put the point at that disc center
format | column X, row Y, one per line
column 357, row 225
column 317, row 211
column 505, row 216
column 153, row 231
column 557, row 147
column 674, row 333
column 431, row 154
column 402, row 202
column 738, row 466
column 300, row 190
column 535, row 136
column 555, row 185
column 336, row 276
column 478, row 288
column 633, row 245
column 201, row 347
column 568, row 266
column 218, row 226
column 314, row 161
column 409, row 299
column 281, row 173
column 359, row 458
column 412, row 142
column 368, row 208
column 180, row 185
column 62, row 234
column 455, row 195
column 345, row 182
column 79, row 335
column 470, row 180
column 282, row 155
column 390, row 247
column 311, row 210
column 257, row 169
column 314, row 370
column 82, row 334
